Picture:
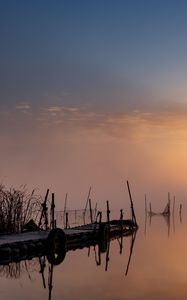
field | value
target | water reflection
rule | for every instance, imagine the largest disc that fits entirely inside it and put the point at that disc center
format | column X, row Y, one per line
column 167, row 214
column 46, row 269
column 99, row 249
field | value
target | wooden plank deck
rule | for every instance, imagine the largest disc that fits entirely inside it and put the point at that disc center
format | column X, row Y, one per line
column 26, row 245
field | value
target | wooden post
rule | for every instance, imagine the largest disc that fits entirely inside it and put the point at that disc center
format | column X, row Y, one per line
column 90, row 207
column 95, row 212
column 121, row 214
column 44, row 211
column 53, row 211
column 121, row 219
column 65, row 206
column 108, row 212
column 88, row 197
column 132, row 207
column 100, row 217
column 67, row 221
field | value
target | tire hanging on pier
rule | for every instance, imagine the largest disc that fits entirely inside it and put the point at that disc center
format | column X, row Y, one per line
column 56, row 246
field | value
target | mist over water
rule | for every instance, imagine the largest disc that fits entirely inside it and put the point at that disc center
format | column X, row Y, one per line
column 157, row 268
column 71, row 160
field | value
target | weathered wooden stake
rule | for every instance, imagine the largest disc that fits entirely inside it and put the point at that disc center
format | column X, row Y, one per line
column 65, row 207
column 67, row 221
column 90, row 207
column 53, row 211
column 121, row 214
column 108, row 212
column 44, row 211
column 99, row 215
column 95, row 211
column 87, row 199
column 132, row 207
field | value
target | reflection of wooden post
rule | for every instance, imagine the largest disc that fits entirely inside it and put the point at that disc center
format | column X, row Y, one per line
column 42, row 268
column 145, row 205
column 180, row 213
column 173, row 205
column 50, row 281
column 131, row 251
column 150, row 209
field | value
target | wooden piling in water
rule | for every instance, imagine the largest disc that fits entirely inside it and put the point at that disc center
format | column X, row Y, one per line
column 44, row 212
column 132, row 206
column 53, row 211
column 67, row 221
column 87, row 199
column 95, row 211
column 108, row 212
column 90, row 208
column 65, row 207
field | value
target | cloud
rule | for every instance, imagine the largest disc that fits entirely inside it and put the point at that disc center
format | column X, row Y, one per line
column 23, row 106
column 136, row 125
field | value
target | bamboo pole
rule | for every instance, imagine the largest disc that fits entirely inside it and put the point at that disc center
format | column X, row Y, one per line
column 87, row 199
column 95, row 212
column 108, row 212
column 90, row 207
column 132, row 207
column 65, row 206
column 53, row 211
column 44, row 210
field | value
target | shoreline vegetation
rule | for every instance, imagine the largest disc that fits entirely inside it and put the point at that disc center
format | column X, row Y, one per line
column 17, row 208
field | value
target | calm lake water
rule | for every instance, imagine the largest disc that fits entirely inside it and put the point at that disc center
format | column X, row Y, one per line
column 157, row 270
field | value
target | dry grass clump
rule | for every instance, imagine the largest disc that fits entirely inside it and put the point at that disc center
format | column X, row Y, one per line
column 17, row 207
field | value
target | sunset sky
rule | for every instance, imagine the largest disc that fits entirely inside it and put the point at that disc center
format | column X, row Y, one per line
column 93, row 93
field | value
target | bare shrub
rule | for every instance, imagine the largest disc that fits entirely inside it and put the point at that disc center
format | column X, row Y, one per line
column 17, row 207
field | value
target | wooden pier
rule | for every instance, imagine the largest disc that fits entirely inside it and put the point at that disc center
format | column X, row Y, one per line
column 56, row 242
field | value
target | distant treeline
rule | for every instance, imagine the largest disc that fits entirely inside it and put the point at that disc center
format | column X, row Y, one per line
column 17, row 208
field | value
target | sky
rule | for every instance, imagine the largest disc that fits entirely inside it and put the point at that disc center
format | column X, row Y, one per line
column 93, row 93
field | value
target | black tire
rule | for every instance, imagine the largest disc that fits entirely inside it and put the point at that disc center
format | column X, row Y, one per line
column 56, row 246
